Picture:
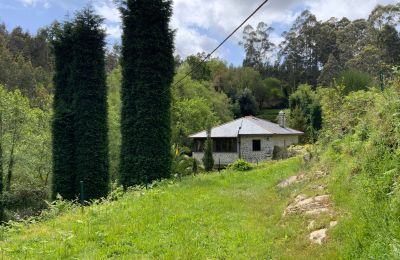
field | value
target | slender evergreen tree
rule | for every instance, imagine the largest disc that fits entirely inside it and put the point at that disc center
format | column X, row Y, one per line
column 63, row 132
column 208, row 160
column 80, row 143
column 88, row 77
column 147, row 69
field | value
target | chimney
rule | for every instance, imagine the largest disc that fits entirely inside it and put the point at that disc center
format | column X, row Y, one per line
column 282, row 119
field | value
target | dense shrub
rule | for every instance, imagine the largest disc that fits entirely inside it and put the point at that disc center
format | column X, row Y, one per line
column 24, row 201
column 240, row 165
column 279, row 153
column 355, row 80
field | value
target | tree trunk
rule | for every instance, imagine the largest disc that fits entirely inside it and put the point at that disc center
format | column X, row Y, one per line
column 11, row 162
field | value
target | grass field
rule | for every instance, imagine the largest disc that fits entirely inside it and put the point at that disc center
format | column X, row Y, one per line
column 234, row 215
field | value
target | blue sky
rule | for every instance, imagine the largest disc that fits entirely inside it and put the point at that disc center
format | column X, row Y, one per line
column 200, row 24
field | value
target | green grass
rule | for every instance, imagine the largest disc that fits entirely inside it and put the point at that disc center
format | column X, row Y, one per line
column 269, row 114
column 234, row 215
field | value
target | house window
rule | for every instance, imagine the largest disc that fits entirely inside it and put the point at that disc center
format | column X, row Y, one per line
column 198, row 145
column 225, row 145
column 256, row 145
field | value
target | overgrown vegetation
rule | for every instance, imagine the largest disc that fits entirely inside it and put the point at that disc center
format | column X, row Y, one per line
column 360, row 146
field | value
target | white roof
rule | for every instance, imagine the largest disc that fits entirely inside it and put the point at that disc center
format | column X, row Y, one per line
column 248, row 125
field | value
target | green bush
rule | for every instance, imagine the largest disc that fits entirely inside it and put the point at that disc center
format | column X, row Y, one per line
column 279, row 153
column 24, row 201
column 240, row 165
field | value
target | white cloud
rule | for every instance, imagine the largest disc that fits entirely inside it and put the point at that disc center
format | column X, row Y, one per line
column 221, row 18
column 201, row 25
column 44, row 3
column 355, row 9
column 109, row 11
column 114, row 31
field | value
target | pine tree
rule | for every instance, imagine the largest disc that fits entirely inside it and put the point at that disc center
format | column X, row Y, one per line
column 208, row 160
column 88, row 77
column 147, row 69
column 63, row 132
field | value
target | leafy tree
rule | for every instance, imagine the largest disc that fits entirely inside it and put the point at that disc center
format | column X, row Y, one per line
column 257, row 45
column 248, row 104
column 383, row 15
column 88, row 77
column 268, row 91
column 389, row 43
column 25, row 154
column 147, row 67
column 330, row 71
column 190, row 116
column 113, row 57
column 368, row 60
column 352, row 39
column 299, row 51
column 305, row 112
column 200, row 69
column 208, row 159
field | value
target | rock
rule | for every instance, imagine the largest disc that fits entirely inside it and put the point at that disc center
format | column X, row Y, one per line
column 332, row 224
column 309, row 206
column 315, row 212
column 320, row 174
column 322, row 198
column 291, row 180
column 307, row 157
column 319, row 187
column 311, row 225
column 318, row 236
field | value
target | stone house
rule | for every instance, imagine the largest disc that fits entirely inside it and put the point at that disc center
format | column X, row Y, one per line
column 249, row 138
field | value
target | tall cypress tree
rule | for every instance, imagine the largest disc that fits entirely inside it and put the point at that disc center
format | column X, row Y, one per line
column 80, row 142
column 147, row 69
column 63, row 132
column 88, row 77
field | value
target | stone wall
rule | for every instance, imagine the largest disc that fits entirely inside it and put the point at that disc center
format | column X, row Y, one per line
column 267, row 146
column 246, row 149
column 219, row 158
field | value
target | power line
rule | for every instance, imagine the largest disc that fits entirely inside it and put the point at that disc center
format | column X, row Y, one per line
column 222, row 43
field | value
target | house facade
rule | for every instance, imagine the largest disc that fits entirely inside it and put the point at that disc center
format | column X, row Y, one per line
column 249, row 138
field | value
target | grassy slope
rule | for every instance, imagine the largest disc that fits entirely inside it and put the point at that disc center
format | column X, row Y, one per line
column 228, row 215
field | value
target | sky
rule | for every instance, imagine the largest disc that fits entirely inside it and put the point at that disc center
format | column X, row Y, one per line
column 200, row 24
